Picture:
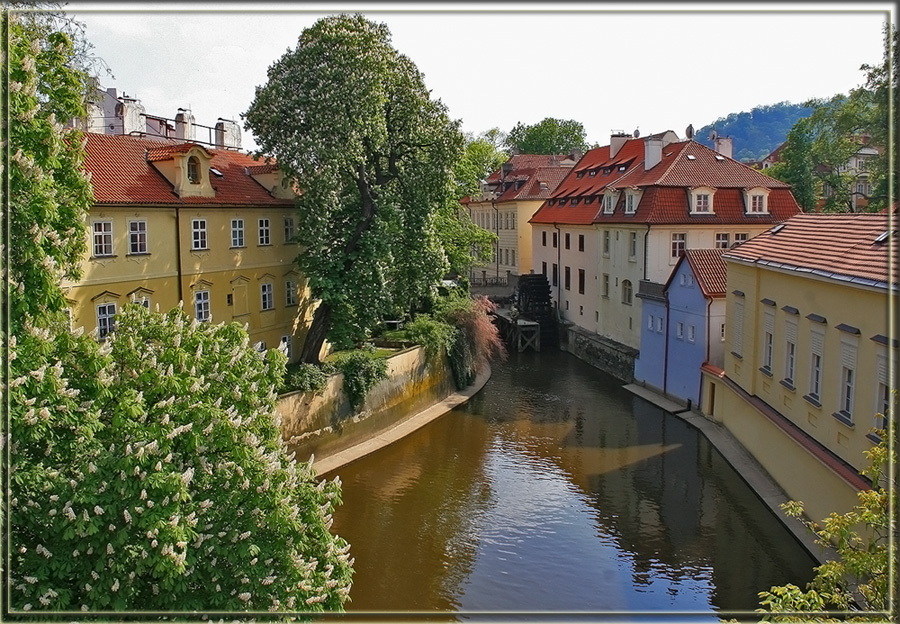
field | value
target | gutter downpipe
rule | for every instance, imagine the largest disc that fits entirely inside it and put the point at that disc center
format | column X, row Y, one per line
column 666, row 348
column 497, row 232
column 558, row 264
column 708, row 341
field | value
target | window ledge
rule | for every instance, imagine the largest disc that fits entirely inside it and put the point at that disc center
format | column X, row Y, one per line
column 874, row 438
column 765, row 371
column 137, row 254
column 812, row 400
column 737, row 355
column 844, row 418
column 104, row 257
column 787, row 384
column 238, row 247
column 264, row 245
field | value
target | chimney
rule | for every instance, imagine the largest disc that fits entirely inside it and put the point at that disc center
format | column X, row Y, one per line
column 228, row 134
column 652, row 152
column 616, row 140
column 505, row 169
column 576, row 154
column 724, row 146
column 184, row 125
column 132, row 114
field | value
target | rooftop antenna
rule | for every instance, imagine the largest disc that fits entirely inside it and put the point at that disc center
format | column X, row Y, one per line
column 689, row 131
column 636, row 133
column 713, row 135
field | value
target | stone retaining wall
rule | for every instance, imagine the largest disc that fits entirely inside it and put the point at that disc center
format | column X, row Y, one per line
column 327, row 424
column 608, row 355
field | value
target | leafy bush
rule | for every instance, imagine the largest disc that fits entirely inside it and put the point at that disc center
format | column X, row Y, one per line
column 477, row 339
column 435, row 336
column 306, row 377
column 362, row 369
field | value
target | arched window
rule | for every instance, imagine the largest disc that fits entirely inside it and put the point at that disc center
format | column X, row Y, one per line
column 627, row 292
column 193, row 170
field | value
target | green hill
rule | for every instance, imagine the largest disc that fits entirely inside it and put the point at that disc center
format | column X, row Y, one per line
column 756, row 133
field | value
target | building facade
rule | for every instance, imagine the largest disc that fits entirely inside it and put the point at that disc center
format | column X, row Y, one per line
column 509, row 197
column 809, row 355
column 177, row 221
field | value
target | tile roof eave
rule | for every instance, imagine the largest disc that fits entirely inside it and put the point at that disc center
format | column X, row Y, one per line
column 831, row 275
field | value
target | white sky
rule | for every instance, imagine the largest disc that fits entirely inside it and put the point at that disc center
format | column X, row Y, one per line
column 608, row 65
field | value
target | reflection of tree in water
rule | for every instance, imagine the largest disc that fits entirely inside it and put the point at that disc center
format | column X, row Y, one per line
column 418, row 503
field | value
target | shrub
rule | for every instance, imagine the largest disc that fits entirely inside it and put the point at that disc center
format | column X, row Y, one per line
column 435, row 336
column 477, row 339
column 362, row 369
column 306, row 377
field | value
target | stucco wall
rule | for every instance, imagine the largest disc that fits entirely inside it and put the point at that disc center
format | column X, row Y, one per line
column 327, row 424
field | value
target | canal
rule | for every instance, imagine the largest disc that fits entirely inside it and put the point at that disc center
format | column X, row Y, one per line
column 554, row 489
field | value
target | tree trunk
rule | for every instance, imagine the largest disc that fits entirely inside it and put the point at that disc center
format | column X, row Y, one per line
column 315, row 337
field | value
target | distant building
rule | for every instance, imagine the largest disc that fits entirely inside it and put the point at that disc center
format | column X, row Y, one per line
column 178, row 221
column 808, row 352
column 508, row 198
column 683, row 327
column 620, row 221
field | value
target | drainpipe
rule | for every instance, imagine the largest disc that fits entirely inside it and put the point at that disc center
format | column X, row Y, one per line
column 708, row 342
column 497, row 232
column 666, row 347
column 646, row 252
column 558, row 264
column 178, row 251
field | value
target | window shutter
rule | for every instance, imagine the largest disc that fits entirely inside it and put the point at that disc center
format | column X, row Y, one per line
column 848, row 355
column 790, row 331
column 738, row 327
column 816, row 342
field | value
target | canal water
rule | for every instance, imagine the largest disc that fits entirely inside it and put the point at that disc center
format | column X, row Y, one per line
column 555, row 490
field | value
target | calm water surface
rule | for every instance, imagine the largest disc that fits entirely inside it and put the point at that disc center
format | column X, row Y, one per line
column 554, row 489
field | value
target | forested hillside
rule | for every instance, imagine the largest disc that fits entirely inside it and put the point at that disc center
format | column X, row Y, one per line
column 758, row 132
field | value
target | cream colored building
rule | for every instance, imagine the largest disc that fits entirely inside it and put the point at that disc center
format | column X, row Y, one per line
column 176, row 221
column 509, row 197
column 810, row 361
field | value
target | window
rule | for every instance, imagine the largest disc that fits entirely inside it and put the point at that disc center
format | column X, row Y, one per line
column 103, row 240
column 198, row 230
column 632, row 250
column 285, row 347
column 757, row 203
column 659, row 324
column 848, row 377
column 567, row 277
column 237, row 232
column 543, row 239
column 701, row 202
column 627, row 292
column 722, row 332
column 679, row 240
column 606, row 242
column 817, row 343
column 268, row 300
column 506, row 256
column 544, row 269
column 555, row 243
column 629, row 204
column 193, row 170
column 581, row 242
column 768, row 340
column 608, row 205
column 555, row 274
column 513, row 254
column 567, row 241
column 201, row 305
column 513, row 219
column 606, row 284
column 581, row 281
column 738, row 328
column 650, row 322
column 264, row 237
column 691, row 333
column 679, row 330
column 289, row 230
column 106, row 321
column 741, row 237
column 723, row 240
column 290, row 293
column 137, row 237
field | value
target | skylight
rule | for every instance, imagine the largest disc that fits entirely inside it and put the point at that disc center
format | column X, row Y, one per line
column 884, row 236
column 690, row 157
column 719, row 157
column 216, row 171
column 778, row 228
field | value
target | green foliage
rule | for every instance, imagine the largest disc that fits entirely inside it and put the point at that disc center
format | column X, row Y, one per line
column 858, row 584
column 477, row 339
column 362, row 369
column 436, row 337
column 303, row 377
column 350, row 119
column 549, row 136
column 796, row 167
column 482, row 156
column 757, row 132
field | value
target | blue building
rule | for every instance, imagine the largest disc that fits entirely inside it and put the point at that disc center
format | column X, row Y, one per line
column 683, row 326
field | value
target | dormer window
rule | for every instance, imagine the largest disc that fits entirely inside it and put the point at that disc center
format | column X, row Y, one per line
column 756, row 200
column 702, row 200
column 193, row 170
column 608, row 204
column 629, row 203
column 593, row 173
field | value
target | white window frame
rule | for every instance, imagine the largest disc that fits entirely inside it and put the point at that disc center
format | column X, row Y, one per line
column 849, row 349
column 757, row 200
column 290, row 293
column 106, row 319
column 679, row 330
column 199, row 235
column 629, row 203
column 650, row 323
column 691, row 333
column 265, row 232
column 632, row 248
column 201, row 305
column 267, row 296
column 659, row 324
column 137, row 237
column 679, row 244
column 768, row 345
column 627, row 292
column 738, row 330
column 702, row 203
column 816, row 363
column 608, row 206
column 741, row 237
column 290, row 229
column 237, row 233
column 606, row 242
column 723, row 240
column 103, row 238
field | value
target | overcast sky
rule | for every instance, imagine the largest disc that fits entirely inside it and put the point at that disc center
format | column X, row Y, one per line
column 608, row 65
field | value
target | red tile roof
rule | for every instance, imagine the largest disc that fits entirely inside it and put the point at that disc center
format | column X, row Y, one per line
column 710, row 269
column 527, row 173
column 121, row 174
column 839, row 246
column 684, row 165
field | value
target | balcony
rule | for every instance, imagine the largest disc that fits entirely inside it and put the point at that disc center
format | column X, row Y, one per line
column 651, row 290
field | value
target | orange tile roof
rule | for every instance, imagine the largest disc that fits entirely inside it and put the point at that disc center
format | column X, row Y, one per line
column 710, row 269
column 684, row 165
column 838, row 246
column 121, row 174
column 529, row 170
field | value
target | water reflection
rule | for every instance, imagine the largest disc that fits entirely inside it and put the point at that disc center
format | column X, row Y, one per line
column 556, row 490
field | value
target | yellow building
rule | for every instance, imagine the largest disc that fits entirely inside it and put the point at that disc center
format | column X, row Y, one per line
column 809, row 358
column 175, row 221
column 510, row 196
